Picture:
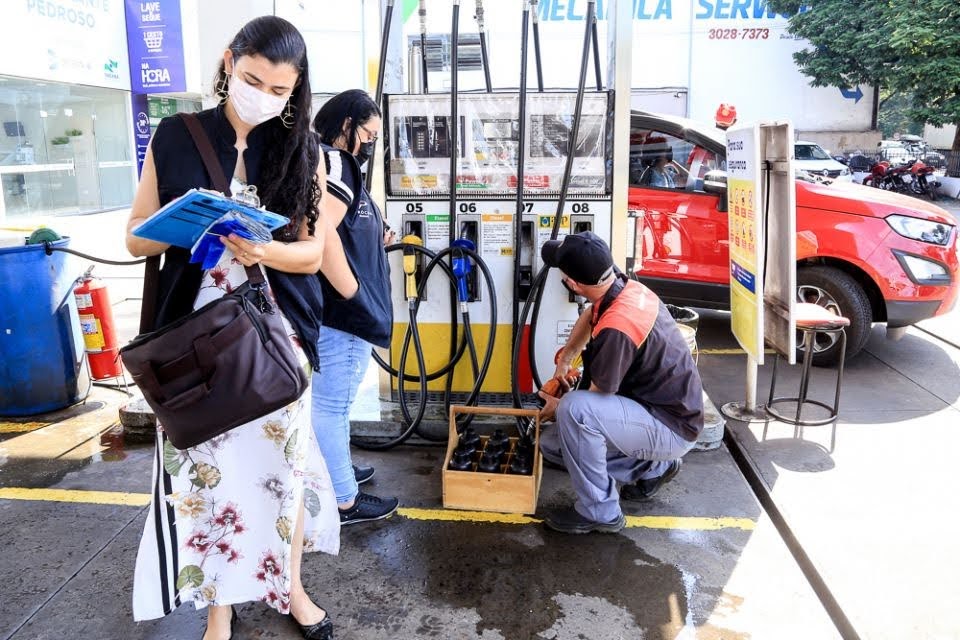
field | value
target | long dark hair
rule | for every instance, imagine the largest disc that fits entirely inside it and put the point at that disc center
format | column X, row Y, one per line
column 287, row 183
column 355, row 104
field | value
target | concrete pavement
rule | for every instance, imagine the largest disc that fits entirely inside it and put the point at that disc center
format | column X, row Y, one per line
column 703, row 560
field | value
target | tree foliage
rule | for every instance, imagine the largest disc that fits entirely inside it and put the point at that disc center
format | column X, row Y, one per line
column 904, row 47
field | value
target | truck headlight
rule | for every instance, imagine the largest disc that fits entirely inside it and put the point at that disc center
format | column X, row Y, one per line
column 921, row 270
column 919, row 229
column 845, row 172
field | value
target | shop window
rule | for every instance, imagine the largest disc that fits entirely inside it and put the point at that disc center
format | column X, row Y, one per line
column 63, row 149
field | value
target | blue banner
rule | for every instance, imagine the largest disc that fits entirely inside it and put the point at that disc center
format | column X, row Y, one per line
column 155, row 45
column 744, row 277
column 141, row 126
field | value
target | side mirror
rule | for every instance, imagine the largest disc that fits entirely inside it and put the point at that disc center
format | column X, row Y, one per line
column 715, row 182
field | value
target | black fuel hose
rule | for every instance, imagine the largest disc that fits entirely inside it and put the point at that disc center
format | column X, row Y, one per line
column 457, row 349
column 49, row 249
column 412, row 421
column 481, row 371
column 536, row 291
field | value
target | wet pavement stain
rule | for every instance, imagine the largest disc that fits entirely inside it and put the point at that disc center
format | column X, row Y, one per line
column 512, row 581
column 424, row 470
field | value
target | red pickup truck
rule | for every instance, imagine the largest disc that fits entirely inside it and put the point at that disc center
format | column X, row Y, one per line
column 870, row 255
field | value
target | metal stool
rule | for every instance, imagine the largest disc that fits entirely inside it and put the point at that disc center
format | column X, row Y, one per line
column 811, row 320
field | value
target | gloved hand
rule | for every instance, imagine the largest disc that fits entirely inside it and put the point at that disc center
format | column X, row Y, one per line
column 559, row 385
column 209, row 248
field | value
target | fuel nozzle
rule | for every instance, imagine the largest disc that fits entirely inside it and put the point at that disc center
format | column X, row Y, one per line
column 462, row 266
column 410, row 259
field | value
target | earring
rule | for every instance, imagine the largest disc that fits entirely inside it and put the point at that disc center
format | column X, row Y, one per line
column 220, row 89
column 287, row 117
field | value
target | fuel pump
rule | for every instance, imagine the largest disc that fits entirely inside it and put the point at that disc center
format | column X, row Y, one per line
column 482, row 180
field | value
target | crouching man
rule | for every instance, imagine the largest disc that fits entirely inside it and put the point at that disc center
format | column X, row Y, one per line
column 640, row 404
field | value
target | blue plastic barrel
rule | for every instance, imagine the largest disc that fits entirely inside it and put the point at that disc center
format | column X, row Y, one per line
column 41, row 345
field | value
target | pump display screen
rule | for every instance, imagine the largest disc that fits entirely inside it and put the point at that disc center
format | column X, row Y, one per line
column 418, row 144
column 495, row 141
column 550, row 136
column 502, row 129
column 425, row 137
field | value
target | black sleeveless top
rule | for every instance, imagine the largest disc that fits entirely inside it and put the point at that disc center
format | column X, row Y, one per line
column 179, row 169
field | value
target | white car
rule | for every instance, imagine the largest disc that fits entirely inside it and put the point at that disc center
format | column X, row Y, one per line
column 811, row 158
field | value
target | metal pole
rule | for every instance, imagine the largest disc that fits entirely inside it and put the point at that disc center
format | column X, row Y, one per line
column 619, row 75
column 483, row 46
column 534, row 7
column 577, row 112
column 423, row 44
column 454, row 128
column 378, row 97
column 521, row 140
column 596, row 55
column 747, row 411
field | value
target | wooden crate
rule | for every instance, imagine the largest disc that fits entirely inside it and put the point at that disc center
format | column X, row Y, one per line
column 503, row 492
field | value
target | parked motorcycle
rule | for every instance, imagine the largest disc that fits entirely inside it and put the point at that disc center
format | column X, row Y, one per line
column 878, row 176
column 889, row 178
column 924, row 181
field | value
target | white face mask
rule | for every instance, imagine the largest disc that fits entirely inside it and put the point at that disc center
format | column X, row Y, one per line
column 252, row 105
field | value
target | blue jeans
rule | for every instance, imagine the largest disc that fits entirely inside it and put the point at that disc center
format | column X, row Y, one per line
column 343, row 362
column 603, row 439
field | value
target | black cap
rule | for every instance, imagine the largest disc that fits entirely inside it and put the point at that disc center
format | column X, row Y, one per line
column 585, row 257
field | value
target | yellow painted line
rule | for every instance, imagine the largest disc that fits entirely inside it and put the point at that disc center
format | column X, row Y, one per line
column 635, row 522
column 22, row 427
column 429, row 515
column 452, row 515
column 76, row 496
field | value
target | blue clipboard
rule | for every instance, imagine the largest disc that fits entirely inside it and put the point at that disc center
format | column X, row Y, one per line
column 182, row 221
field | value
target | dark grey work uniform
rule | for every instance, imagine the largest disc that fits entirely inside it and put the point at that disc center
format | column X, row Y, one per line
column 647, row 412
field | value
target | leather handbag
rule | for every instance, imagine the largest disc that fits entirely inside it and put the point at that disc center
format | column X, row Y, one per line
column 225, row 364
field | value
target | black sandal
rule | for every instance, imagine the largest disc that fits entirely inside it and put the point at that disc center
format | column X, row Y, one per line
column 322, row 630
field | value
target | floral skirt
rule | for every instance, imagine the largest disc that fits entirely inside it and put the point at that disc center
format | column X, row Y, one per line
column 223, row 513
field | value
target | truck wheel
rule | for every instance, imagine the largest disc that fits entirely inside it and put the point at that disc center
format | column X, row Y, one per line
column 838, row 292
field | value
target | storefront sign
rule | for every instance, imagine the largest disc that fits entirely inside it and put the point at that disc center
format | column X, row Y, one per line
column 65, row 41
column 707, row 51
column 141, row 126
column 155, row 46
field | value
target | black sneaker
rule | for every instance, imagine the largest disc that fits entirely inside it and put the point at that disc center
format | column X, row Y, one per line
column 569, row 520
column 643, row 490
column 367, row 508
column 363, row 474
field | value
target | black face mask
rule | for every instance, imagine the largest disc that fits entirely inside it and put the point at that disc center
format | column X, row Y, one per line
column 567, row 287
column 366, row 151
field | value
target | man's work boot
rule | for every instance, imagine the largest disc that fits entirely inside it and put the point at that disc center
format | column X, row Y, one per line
column 569, row 520
column 643, row 490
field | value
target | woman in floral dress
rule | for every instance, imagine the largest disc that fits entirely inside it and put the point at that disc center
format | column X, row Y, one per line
column 230, row 518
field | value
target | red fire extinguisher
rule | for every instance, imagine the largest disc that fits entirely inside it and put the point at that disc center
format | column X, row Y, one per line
column 96, row 322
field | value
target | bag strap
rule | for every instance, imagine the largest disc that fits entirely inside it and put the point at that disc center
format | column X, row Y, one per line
column 215, row 172
column 148, row 303
column 210, row 161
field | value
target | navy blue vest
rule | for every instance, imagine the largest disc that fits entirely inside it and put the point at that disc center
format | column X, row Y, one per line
column 368, row 314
